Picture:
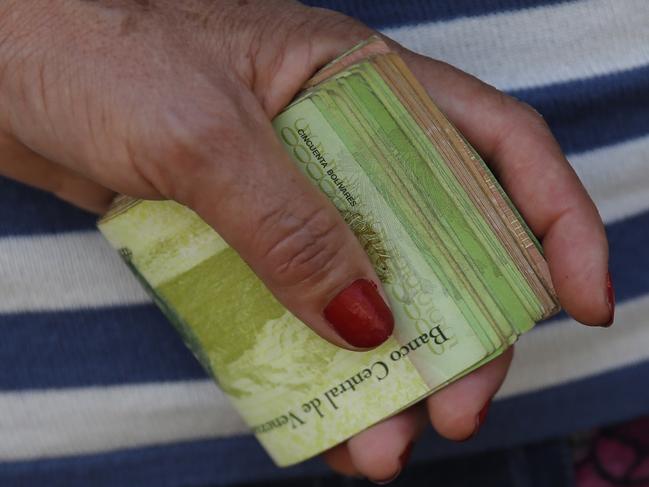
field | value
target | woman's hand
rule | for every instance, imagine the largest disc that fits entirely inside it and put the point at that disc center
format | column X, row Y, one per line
column 168, row 99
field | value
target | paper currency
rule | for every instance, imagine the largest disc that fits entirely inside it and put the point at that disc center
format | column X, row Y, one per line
column 463, row 273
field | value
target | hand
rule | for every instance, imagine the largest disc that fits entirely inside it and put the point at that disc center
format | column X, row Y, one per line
column 167, row 99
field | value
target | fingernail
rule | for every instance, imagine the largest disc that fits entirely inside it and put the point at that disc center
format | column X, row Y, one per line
column 610, row 296
column 405, row 456
column 360, row 316
column 480, row 419
column 482, row 415
column 403, row 460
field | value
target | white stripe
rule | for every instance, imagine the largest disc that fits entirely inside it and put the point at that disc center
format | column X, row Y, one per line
column 64, row 271
column 617, row 178
column 90, row 420
column 566, row 351
column 79, row 269
column 98, row 419
column 539, row 46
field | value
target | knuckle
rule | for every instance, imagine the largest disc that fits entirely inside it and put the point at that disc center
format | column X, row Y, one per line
column 336, row 31
column 514, row 109
column 502, row 102
column 187, row 145
column 529, row 110
column 299, row 248
column 532, row 115
column 284, row 50
column 517, row 117
column 533, row 126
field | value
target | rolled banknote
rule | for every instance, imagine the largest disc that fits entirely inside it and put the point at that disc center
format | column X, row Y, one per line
column 462, row 272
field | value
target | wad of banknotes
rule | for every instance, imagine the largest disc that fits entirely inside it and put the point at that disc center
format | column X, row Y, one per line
column 463, row 273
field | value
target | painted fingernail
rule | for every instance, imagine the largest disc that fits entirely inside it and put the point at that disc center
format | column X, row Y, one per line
column 479, row 421
column 482, row 415
column 610, row 296
column 403, row 461
column 360, row 316
column 405, row 456
column 480, row 418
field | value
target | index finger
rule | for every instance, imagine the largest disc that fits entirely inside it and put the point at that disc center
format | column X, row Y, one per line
column 527, row 160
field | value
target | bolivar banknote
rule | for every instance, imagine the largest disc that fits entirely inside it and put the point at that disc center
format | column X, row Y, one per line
column 463, row 274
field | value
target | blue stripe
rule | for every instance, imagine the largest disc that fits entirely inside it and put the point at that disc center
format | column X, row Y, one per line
column 92, row 347
column 594, row 112
column 629, row 256
column 25, row 210
column 582, row 405
column 194, row 463
column 390, row 13
column 134, row 344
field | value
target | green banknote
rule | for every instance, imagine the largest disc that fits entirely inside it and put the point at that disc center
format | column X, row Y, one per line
column 463, row 274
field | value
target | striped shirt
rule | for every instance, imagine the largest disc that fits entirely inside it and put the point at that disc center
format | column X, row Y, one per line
column 97, row 389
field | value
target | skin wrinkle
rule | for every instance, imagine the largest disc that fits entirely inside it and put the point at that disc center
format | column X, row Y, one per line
column 269, row 100
column 307, row 232
column 15, row 57
column 93, row 138
column 317, row 278
column 253, row 41
column 274, row 64
column 152, row 192
column 306, row 57
column 191, row 122
column 500, row 103
column 6, row 17
column 43, row 97
column 211, row 11
column 252, row 55
column 193, row 146
column 144, row 5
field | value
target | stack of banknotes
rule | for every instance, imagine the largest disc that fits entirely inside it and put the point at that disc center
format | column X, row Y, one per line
column 463, row 273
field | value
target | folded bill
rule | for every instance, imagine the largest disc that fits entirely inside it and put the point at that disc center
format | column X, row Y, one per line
column 463, row 273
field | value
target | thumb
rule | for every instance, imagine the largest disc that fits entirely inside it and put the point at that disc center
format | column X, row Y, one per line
column 243, row 183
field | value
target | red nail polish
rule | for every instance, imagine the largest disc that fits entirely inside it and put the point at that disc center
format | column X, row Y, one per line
column 405, row 456
column 482, row 415
column 610, row 295
column 403, row 460
column 480, row 419
column 360, row 316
